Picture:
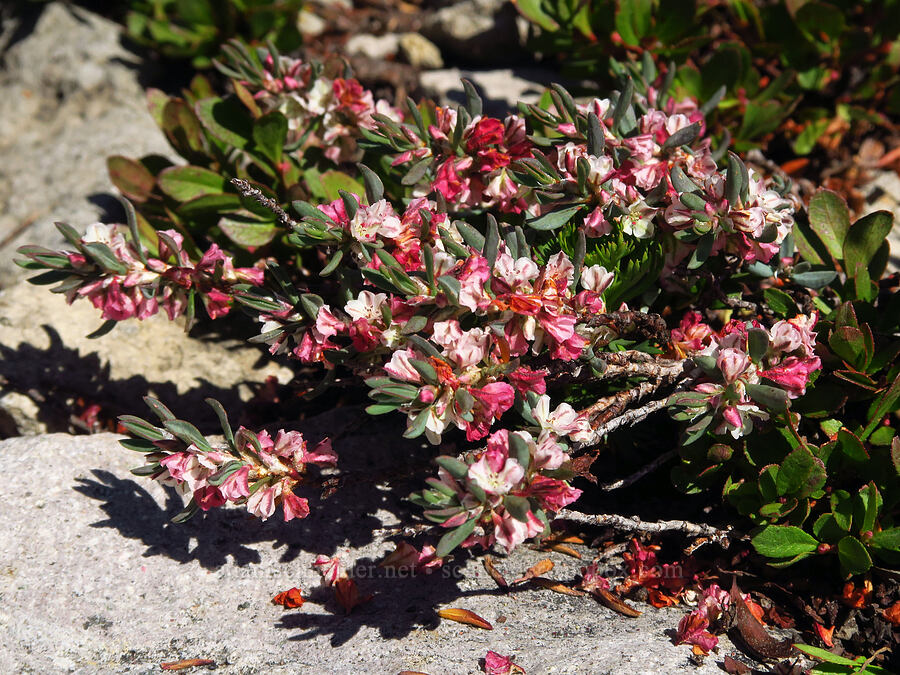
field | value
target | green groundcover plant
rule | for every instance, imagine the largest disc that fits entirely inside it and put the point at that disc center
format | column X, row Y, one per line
column 805, row 69
column 530, row 284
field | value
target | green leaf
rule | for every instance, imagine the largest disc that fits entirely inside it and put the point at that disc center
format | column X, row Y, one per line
column 783, row 541
column 825, row 655
column 223, row 421
column 829, row 218
column 780, row 302
column 773, row 398
column 417, row 427
column 184, row 183
column 138, row 445
column 188, row 433
column 806, row 141
column 633, row 20
column 209, row 204
column 269, row 135
column 866, row 506
column 374, row 186
column 518, row 507
column 853, row 556
column 851, row 446
column 130, row 177
column 103, row 256
column 865, row 238
column 454, row 538
column 226, row 119
column 814, row 279
column 334, row 181
column 533, row 10
column 842, row 509
column 887, row 539
column 757, row 344
column 794, row 471
column 248, row 231
column 554, row 219
column 453, row 466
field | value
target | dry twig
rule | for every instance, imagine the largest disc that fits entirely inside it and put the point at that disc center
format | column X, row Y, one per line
column 256, row 194
column 635, row 524
column 640, row 473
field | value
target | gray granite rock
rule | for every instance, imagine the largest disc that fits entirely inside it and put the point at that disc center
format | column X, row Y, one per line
column 420, row 52
column 477, row 31
column 69, row 97
column 46, row 358
column 95, row 579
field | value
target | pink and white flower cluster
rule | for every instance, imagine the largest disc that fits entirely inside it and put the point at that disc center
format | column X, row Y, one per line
column 329, row 112
column 693, row 629
column 260, row 473
column 138, row 289
column 503, row 495
column 786, row 364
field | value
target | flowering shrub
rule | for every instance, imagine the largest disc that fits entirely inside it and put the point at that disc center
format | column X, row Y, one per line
column 513, row 282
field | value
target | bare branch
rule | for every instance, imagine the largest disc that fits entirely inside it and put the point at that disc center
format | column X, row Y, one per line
column 256, row 194
column 635, row 524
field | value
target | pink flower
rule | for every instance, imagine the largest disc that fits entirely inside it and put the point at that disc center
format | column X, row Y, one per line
column 495, row 664
column 525, row 379
column 262, row 502
column 596, row 278
column 511, row 532
column 733, row 363
column 692, row 631
column 235, row 486
column 547, row 453
column 793, row 374
column 321, row 455
column 552, row 493
column 474, row 274
column 491, row 401
column 563, row 421
column 591, row 580
column 596, row 224
column 329, row 568
column 492, row 476
column 465, row 348
column 400, row 368
column 208, row 497
column 294, row 506
column 714, row 601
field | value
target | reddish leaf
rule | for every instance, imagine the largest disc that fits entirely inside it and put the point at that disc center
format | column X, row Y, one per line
column 735, row 667
column 659, row 599
column 825, row 634
column 752, row 632
column 614, row 603
column 535, row 570
column 289, row 599
column 186, row 663
column 494, row 573
column 892, row 614
column 347, row 594
column 581, row 465
column 556, row 586
column 464, row 616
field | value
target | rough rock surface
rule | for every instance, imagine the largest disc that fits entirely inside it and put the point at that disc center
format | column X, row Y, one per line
column 500, row 89
column 95, row 579
column 69, row 97
column 46, row 356
column 477, row 31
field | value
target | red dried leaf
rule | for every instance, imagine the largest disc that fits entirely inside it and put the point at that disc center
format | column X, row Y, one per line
column 186, row 663
column 494, row 573
column 347, row 594
column 289, row 599
column 825, row 634
column 464, row 616
column 735, row 667
column 581, row 465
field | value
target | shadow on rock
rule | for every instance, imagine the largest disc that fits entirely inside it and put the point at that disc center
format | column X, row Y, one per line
column 360, row 505
column 401, row 603
column 63, row 382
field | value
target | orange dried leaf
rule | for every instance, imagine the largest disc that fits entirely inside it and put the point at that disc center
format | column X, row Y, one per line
column 562, row 538
column 494, row 573
column 857, row 596
column 186, row 663
column 892, row 614
column 825, row 634
column 536, row 570
column 659, row 599
column 464, row 616
column 699, row 651
column 556, row 586
column 757, row 611
column 289, row 599
column 795, row 165
column 562, row 548
column 614, row 603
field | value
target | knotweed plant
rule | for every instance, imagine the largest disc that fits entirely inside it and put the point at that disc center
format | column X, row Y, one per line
column 528, row 285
